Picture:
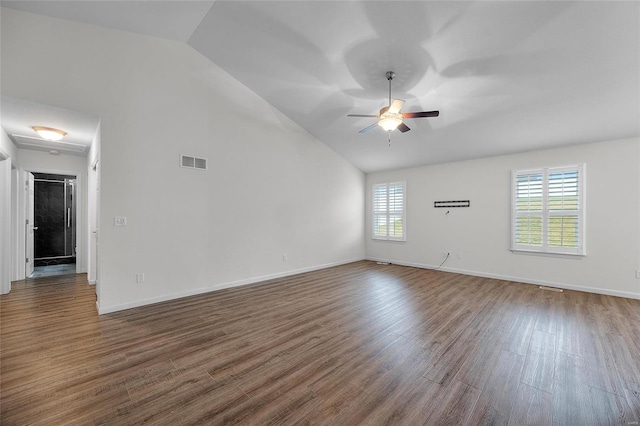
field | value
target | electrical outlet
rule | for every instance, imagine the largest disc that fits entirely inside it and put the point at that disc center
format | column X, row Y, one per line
column 459, row 256
column 638, row 274
column 140, row 278
column 284, row 257
column 120, row 221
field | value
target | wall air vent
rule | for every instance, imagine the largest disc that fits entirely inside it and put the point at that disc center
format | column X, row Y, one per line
column 192, row 162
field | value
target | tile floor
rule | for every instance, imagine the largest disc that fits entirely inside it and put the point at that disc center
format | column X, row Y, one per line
column 46, row 271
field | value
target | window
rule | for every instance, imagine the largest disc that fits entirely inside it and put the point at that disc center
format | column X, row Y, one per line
column 389, row 218
column 547, row 210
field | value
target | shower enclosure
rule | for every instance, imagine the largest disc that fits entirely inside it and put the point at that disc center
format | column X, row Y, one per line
column 54, row 219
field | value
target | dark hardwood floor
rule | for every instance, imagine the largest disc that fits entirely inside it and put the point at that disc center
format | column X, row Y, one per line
column 355, row 344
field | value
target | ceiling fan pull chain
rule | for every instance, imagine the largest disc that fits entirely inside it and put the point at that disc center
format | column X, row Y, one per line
column 389, row 137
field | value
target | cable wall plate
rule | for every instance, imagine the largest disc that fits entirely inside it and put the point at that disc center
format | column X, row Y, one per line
column 449, row 204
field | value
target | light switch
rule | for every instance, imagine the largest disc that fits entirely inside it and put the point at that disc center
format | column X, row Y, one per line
column 120, row 221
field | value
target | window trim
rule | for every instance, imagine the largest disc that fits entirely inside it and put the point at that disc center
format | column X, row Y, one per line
column 387, row 213
column 544, row 248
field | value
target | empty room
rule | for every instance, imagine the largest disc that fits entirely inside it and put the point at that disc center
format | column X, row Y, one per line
column 320, row 212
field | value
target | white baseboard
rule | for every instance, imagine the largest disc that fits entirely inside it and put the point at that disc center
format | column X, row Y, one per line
column 220, row 286
column 91, row 282
column 565, row 286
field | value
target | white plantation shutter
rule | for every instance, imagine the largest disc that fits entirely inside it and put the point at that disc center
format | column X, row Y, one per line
column 528, row 209
column 547, row 210
column 389, row 218
column 380, row 211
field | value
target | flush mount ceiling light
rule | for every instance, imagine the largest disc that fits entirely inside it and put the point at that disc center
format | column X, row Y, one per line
column 49, row 133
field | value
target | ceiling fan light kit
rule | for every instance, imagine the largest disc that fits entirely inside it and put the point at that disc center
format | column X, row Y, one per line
column 389, row 123
column 391, row 117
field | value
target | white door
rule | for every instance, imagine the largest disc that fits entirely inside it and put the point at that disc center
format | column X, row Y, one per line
column 30, row 228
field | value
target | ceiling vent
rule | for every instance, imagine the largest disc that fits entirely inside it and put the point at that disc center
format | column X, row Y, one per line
column 192, row 162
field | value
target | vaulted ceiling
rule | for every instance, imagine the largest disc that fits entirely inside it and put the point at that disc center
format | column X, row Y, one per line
column 506, row 76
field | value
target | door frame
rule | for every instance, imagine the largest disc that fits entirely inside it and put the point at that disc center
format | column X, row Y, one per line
column 81, row 252
column 30, row 236
column 16, row 223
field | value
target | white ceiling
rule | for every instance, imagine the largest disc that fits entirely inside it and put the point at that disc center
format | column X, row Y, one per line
column 506, row 76
column 175, row 20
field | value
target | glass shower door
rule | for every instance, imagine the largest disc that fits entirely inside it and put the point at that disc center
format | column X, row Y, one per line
column 55, row 238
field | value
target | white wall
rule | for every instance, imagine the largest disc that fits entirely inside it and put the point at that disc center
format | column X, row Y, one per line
column 271, row 188
column 43, row 162
column 7, row 147
column 5, row 224
column 481, row 233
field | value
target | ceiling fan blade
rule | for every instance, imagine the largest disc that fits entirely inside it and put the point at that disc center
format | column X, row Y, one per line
column 421, row 114
column 396, row 106
column 366, row 129
column 403, row 127
column 362, row 115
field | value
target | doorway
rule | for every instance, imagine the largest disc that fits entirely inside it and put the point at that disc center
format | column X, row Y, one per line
column 54, row 225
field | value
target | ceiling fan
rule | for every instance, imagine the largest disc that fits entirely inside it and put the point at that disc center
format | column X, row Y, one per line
column 390, row 117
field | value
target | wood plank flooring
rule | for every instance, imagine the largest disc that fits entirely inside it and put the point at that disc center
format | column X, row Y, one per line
column 356, row 344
